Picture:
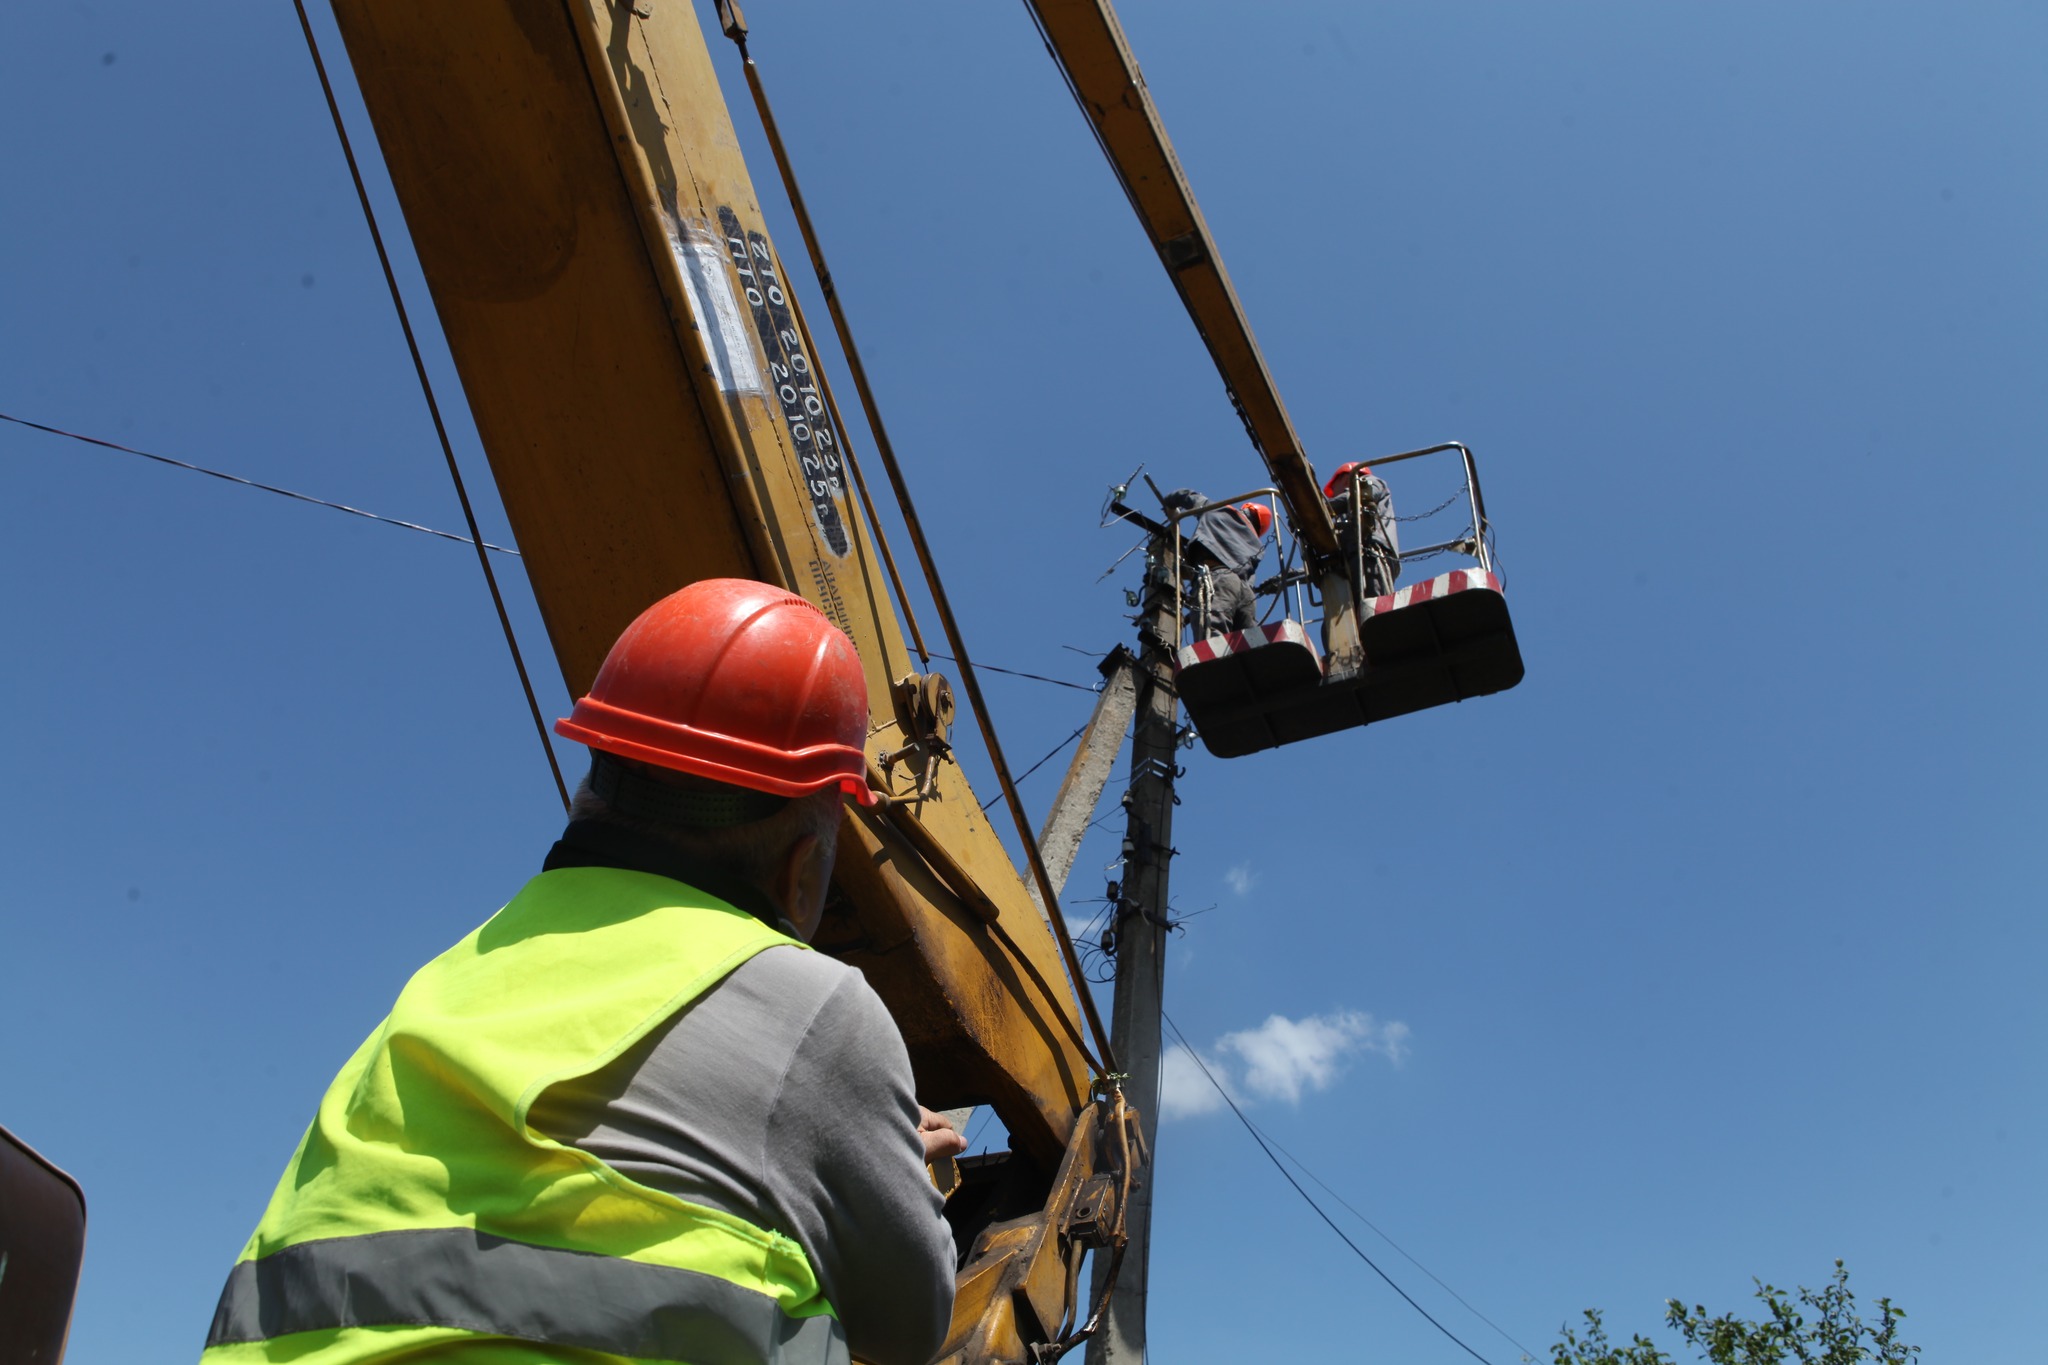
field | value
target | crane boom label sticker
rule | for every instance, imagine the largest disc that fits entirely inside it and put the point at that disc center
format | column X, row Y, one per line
column 715, row 308
column 793, row 379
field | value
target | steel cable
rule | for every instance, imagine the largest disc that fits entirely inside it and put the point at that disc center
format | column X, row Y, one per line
column 419, row 365
column 1103, row 1059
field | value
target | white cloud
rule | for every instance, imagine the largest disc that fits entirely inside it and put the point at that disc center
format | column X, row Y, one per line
column 1183, row 1090
column 1283, row 1056
column 1241, row 879
column 1281, row 1059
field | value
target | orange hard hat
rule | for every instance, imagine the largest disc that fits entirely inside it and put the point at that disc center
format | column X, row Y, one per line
column 736, row 681
column 1260, row 515
column 1342, row 477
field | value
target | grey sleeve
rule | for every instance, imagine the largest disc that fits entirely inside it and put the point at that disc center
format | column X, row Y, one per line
column 784, row 1096
column 845, row 1166
column 1384, row 529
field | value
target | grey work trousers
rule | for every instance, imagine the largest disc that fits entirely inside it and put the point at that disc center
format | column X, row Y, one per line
column 1231, row 604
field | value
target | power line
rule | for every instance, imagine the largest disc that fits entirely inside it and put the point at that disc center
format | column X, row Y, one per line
column 1381, row 1234
column 464, row 540
column 1310, row 1199
column 251, row 483
column 1035, row 677
column 419, row 365
column 1041, row 762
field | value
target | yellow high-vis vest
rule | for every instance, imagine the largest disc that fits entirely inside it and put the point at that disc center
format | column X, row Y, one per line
column 422, row 1219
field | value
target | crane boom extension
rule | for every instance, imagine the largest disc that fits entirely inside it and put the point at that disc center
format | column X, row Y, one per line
column 1088, row 43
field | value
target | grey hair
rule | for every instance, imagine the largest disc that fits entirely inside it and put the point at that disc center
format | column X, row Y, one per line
column 753, row 853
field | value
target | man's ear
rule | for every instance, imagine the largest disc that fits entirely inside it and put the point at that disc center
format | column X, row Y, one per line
column 802, row 883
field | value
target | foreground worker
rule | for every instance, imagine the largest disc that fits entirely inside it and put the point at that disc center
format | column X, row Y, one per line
column 632, row 1117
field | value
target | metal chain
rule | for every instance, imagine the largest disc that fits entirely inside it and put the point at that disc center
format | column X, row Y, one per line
column 1425, row 516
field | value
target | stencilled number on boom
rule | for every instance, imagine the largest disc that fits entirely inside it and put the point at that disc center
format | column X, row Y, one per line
column 792, row 378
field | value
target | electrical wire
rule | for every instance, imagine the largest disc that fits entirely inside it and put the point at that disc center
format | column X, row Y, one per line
column 251, row 483
column 1036, row 766
column 1381, row 1234
column 419, row 365
column 1308, row 1198
column 1120, row 559
column 1035, row 677
column 1101, row 821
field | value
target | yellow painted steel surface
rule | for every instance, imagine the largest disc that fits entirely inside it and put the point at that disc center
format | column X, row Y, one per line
column 644, row 385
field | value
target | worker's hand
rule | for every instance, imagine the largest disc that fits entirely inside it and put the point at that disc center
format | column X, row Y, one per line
column 940, row 1138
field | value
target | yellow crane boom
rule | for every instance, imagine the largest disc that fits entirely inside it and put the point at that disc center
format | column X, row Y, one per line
column 648, row 396
column 644, row 385
column 650, row 400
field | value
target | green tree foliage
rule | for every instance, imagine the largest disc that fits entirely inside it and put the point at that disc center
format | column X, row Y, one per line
column 1815, row 1327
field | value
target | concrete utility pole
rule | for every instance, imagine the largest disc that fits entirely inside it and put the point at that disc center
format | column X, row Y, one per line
column 1141, row 927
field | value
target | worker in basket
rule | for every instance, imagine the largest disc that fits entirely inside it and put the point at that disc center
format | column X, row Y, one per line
column 1222, row 549
column 1382, row 549
column 633, row 1116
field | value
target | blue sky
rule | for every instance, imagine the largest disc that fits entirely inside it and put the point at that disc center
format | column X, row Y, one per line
column 1712, row 946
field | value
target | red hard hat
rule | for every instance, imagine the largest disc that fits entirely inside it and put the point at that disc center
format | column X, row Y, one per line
column 1342, row 478
column 1261, row 516
column 736, row 681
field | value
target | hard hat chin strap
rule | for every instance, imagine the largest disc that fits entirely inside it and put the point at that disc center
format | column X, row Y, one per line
column 639, row 797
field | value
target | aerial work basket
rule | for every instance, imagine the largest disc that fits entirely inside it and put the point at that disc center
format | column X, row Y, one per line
column 1440, row 640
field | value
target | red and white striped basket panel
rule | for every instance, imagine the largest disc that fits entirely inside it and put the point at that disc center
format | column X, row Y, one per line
column 1443, row 585
column 1244, row 641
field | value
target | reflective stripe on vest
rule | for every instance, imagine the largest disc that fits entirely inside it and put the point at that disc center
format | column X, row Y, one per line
column 420, row 1197
column 458, row 1277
